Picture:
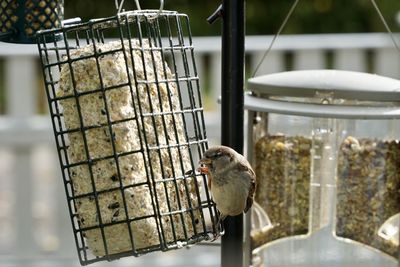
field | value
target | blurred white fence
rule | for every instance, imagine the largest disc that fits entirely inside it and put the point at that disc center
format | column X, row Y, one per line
column 34, row 223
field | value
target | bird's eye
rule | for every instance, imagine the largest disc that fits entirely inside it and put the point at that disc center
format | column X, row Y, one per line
column 217, row 154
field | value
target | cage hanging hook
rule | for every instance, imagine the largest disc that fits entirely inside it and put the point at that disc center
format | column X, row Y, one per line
column 161, row 7
column 137, row 5
column 118, row 6
column 159, row 10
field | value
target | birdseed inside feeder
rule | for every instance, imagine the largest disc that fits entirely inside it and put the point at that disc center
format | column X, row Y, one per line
column 325, row 147
column 129, row 128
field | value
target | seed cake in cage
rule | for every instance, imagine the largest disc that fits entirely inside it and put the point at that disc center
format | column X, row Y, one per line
column 129, row 128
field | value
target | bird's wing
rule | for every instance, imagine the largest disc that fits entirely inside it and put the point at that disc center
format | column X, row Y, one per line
column 247, row 168
column 250, row 197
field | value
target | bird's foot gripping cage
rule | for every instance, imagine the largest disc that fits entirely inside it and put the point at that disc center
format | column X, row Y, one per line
column 129, row 128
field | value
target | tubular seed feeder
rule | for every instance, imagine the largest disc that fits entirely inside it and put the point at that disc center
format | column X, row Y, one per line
column 325, row 148
column 329, row 177
column 21, row 19
column 129, row 129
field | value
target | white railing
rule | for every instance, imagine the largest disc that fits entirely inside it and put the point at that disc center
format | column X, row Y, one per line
column 34, row 224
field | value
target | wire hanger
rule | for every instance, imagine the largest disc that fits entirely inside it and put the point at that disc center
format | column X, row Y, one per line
column 293, row 7
column 289, row 14
column 119, row 6
column 382, row 18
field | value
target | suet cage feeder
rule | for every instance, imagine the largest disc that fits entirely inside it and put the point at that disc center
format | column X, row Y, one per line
column 124, row 99
column 21, row 19
column 326, row 152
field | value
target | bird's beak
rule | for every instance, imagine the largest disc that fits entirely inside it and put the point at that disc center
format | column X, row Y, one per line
column 205, row 161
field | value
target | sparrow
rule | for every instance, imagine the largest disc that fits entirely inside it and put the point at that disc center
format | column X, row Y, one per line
column 231, row 180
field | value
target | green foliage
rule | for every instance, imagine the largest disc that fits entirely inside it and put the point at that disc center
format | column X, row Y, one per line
column 263, row 16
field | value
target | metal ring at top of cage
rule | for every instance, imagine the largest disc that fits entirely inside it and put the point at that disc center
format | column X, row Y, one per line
column 118, row 6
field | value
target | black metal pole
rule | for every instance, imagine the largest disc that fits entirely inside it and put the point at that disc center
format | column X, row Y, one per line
column 232, row 104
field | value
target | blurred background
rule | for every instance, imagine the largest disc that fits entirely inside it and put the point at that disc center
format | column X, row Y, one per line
column 35, row 228
column 264, row 16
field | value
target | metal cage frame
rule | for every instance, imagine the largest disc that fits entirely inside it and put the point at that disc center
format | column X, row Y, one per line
column 167, row 33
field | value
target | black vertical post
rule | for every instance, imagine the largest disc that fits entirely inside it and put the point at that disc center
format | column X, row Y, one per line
column 232, row 104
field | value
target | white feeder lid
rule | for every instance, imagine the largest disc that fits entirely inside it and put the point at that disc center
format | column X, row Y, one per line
column 336, row 83
column 341, row 84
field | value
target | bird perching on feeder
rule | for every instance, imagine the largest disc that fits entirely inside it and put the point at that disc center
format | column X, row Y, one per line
column 129, row 128
column 231, row 180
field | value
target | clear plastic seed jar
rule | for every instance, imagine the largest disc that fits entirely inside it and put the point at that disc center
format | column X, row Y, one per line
column 325, row 148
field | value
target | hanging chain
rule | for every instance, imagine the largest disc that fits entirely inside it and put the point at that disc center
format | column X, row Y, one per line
column 276, row 36
column 382, row 18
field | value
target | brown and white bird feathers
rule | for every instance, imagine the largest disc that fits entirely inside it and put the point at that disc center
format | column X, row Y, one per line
column 232, row 181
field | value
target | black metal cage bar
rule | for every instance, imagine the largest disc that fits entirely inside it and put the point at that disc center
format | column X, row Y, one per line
column 125, row 103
